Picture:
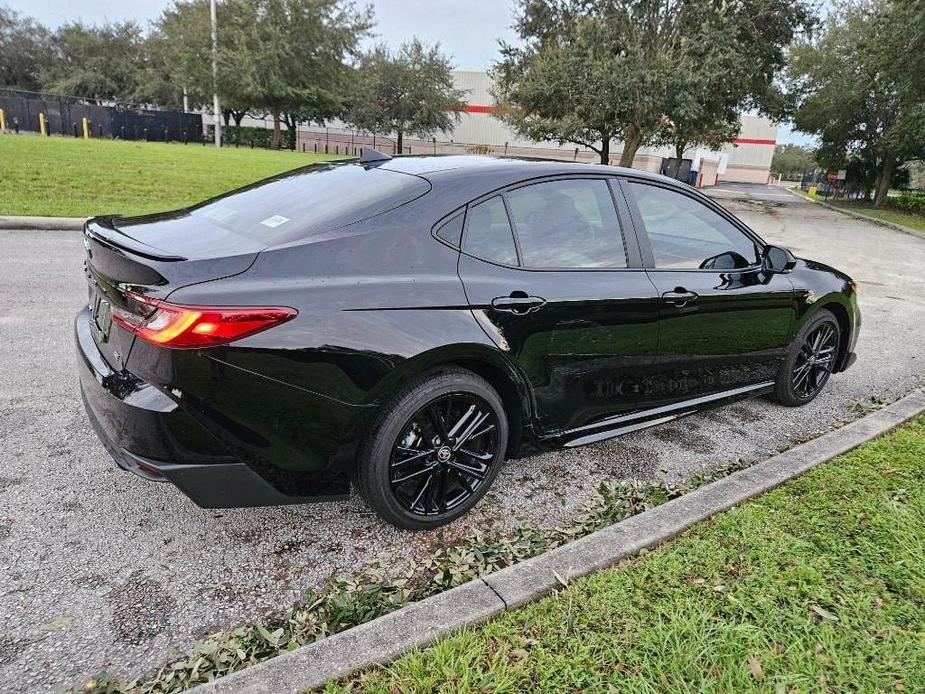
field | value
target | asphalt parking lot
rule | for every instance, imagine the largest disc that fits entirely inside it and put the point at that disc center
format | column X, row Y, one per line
column 102, row 570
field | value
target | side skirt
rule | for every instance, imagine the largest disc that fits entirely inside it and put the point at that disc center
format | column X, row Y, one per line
column 624, row 424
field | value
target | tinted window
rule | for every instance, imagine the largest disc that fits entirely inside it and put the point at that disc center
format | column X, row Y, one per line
column 451, row 231
column 488, row 232
column 568, row 223
column 316, row 198
column 687, row 234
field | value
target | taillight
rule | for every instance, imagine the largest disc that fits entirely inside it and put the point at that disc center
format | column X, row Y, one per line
column 188, row 327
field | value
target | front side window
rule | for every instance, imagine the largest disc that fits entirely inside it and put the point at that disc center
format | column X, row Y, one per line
column 488, row 232
column 686, row 234
column 570, row 223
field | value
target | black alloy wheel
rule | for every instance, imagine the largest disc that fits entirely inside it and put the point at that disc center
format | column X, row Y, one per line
column 443, row 454
column 815, row 361
column 811, row 361
column 434, row 450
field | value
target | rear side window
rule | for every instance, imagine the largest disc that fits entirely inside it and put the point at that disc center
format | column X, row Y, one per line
column 451, row 230
column 316, row 198
column 571, row 223
column 488, row 232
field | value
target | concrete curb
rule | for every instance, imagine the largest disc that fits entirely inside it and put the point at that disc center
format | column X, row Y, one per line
column 43, row 223
column 420, row 624
column 860, row 215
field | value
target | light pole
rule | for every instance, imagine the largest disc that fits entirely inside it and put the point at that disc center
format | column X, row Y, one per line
column 216, row 109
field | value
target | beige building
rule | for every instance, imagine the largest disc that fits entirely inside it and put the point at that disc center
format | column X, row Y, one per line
column 747, row 159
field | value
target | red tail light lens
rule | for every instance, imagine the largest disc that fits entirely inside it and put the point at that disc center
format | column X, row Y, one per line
column 190, row 327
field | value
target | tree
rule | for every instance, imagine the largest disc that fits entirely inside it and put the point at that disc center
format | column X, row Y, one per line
column 410, row 92
column 25, row 46
column 857, row 90
column 99, row 62
column 792, row 161
column 589, row 71
column 291, row 55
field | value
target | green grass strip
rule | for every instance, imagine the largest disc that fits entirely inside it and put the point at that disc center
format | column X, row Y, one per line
column 70, row 177
column 816, row 586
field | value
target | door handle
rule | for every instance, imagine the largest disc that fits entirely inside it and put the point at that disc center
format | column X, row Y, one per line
column 680, row 297
column 518, row 302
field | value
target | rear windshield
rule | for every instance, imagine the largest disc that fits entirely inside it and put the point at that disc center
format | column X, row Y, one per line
column 316, row 198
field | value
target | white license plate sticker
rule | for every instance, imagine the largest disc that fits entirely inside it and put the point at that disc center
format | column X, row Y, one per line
column 274, row 221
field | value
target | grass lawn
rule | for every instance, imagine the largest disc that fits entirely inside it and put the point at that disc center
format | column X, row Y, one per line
column 886, row 214
column 816, row 586
column 68, row 177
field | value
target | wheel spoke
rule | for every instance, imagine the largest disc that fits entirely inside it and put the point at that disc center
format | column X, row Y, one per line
column 423, row 488
column 467, row 434
column 460, row 423
column 411, row 475
column 418, row 455
column 438, row 423
column 459, row 467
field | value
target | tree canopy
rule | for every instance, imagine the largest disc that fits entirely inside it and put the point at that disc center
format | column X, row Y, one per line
column 643, row 71
column 860, row 88
column 410, row 91
column 25, row 46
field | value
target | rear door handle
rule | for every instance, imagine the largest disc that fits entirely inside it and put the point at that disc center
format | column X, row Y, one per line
column 518, row 302
column 680, row 297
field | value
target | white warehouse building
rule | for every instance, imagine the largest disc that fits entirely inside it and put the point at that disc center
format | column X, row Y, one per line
column 747, row 159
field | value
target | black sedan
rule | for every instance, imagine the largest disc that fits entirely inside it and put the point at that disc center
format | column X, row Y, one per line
column 407, row 324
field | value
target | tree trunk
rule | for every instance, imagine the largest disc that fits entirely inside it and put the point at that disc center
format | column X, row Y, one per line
column 631, row 144
column 398, row 142
column 886, row 178
column 238, row 117
column 605, row 149
column 226, row 116
column 277, row 135
column 679, row 147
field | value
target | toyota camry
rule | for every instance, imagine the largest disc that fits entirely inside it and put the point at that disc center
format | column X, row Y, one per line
column 404, row 325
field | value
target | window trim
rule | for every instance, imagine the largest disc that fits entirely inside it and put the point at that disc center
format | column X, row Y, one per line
column 624, row 222
column 645, row 243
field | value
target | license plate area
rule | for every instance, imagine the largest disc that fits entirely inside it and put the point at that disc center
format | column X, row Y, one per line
column 101, row 312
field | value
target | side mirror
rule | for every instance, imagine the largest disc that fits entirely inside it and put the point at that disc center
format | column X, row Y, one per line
column 777, row 259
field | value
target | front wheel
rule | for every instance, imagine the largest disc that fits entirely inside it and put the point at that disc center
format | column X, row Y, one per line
column 434, row 450
column 810, row 361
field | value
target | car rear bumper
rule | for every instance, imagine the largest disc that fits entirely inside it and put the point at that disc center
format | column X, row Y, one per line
column 150, row 434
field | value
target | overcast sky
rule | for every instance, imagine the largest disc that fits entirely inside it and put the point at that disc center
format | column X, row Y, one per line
column 468, row 30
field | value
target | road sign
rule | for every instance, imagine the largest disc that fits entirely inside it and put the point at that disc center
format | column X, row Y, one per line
column 842, row 174
column 832, row 176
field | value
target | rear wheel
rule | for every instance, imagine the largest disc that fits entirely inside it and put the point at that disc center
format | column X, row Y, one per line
column 434, row 450
column 810, row 362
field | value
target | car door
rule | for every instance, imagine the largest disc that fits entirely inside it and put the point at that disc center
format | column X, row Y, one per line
column 552, row 280
column 724, row 321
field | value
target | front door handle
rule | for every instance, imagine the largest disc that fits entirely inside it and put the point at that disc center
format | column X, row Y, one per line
column 680, row 297
column 518, row 302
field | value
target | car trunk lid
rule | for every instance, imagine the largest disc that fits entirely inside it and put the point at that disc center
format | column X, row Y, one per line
column 151, row 256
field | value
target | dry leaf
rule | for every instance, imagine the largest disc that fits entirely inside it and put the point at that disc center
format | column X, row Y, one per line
column 755, row 665
column 824, row 613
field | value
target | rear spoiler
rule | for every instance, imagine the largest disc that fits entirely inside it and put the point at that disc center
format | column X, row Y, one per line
column 102, row 230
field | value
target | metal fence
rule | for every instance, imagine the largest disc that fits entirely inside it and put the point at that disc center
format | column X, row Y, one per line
column 64, row 116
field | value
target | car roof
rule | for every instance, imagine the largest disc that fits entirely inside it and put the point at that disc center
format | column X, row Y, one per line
column 448, row 166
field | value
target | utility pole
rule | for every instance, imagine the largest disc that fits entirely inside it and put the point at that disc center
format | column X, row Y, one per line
column 216, row 109
column 185, row 101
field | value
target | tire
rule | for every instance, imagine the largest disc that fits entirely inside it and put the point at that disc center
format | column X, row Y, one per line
column 416, row 490
column 809, row 363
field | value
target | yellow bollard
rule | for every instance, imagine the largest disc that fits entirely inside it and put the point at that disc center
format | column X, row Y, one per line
column 2, row 120
column 86, row 127
column 43, row 124
column 811, row 192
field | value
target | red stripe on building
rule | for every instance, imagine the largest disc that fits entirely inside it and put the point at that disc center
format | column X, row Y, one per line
column 476, row 108
column 753, row 141
column 481, row 108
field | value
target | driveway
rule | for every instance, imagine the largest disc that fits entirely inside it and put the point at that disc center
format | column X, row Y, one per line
column 102, row 570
